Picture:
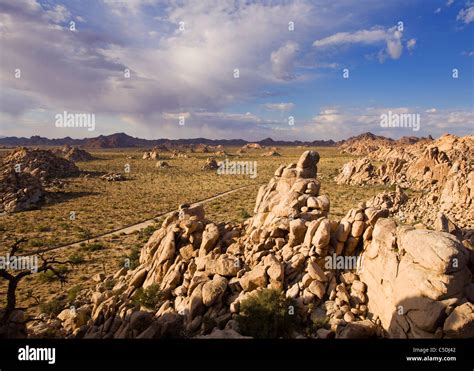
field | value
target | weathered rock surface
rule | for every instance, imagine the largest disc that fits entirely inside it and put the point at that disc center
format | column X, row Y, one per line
column 441, row 169
column 77, row 154
column 24, row 175
column 211, row 164
column 40, row 163
column 412, row 278
column 349, row 277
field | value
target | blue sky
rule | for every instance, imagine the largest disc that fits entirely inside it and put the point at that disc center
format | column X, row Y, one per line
column 182, row 56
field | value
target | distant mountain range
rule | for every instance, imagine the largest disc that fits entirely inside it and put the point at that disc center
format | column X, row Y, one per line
column 372, row 137
column 122, row 140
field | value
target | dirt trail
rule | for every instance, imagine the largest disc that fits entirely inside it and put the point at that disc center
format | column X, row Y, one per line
column 141, row 225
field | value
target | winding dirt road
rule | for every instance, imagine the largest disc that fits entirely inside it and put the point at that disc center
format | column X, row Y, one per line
column 141, row 225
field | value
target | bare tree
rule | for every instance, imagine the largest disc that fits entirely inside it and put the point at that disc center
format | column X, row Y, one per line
column 47, row 264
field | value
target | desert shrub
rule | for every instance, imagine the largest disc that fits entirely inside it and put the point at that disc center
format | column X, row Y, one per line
column 146, row 233
column 94, row 246
column 133, row 258
column 76, row 258
column 149, row 297
column 313, row 326
column 72, row 293
column 50, row 276
column 269, row 314
column 44, row 228
column 84, row 233
column 244, row 214
column 35, row 242
column 52, row 308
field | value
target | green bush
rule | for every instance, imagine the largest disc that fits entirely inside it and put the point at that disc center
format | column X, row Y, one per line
column 76, row 258
column 269, row 314
column 134, row 257
column 44, row 228
column 95, row 246
column 49, row 276
column 149, row 297
column 146, row 233
column 52, row 308
column 244, row 214
column 34, row 242
column 72, row 293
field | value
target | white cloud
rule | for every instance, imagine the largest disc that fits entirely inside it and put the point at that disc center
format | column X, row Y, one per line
column 377, row 35
column 58, row 14
column 438, row 10
column 363, row 37
column 282, row 61
column 342, row 123
column 280, row 106
column 411, row 44
column 466, row 15
column 449, row 2
column 170, row 71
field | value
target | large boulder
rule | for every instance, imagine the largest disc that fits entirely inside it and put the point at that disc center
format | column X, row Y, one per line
column 460, row 323
column 410, row 276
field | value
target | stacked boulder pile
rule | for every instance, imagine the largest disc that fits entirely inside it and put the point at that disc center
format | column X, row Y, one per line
column 368, row 143
column 200, row 148
column 76, row 154
column 441, row 170
column 154, row 154
column 25, row 174
column 19, row 191
column 211, row 164
column 270, row 154
column 179, row 154
column 40, row 163
column 345, row 275
column 162, row 165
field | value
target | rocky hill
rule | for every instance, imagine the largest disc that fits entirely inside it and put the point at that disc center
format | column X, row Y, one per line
column 25, row 173
column 367, row 143
column 361, row 276
column 442, row 170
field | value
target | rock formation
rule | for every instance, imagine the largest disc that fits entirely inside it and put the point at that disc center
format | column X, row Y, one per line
column 113, row 177
column 162, row 165
column 40, row 163
column 270, row 154
column 211, row 164
column 19, row 191
column 363, row 275
column 24, row 175
column 76, row 154
column 441, row 170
